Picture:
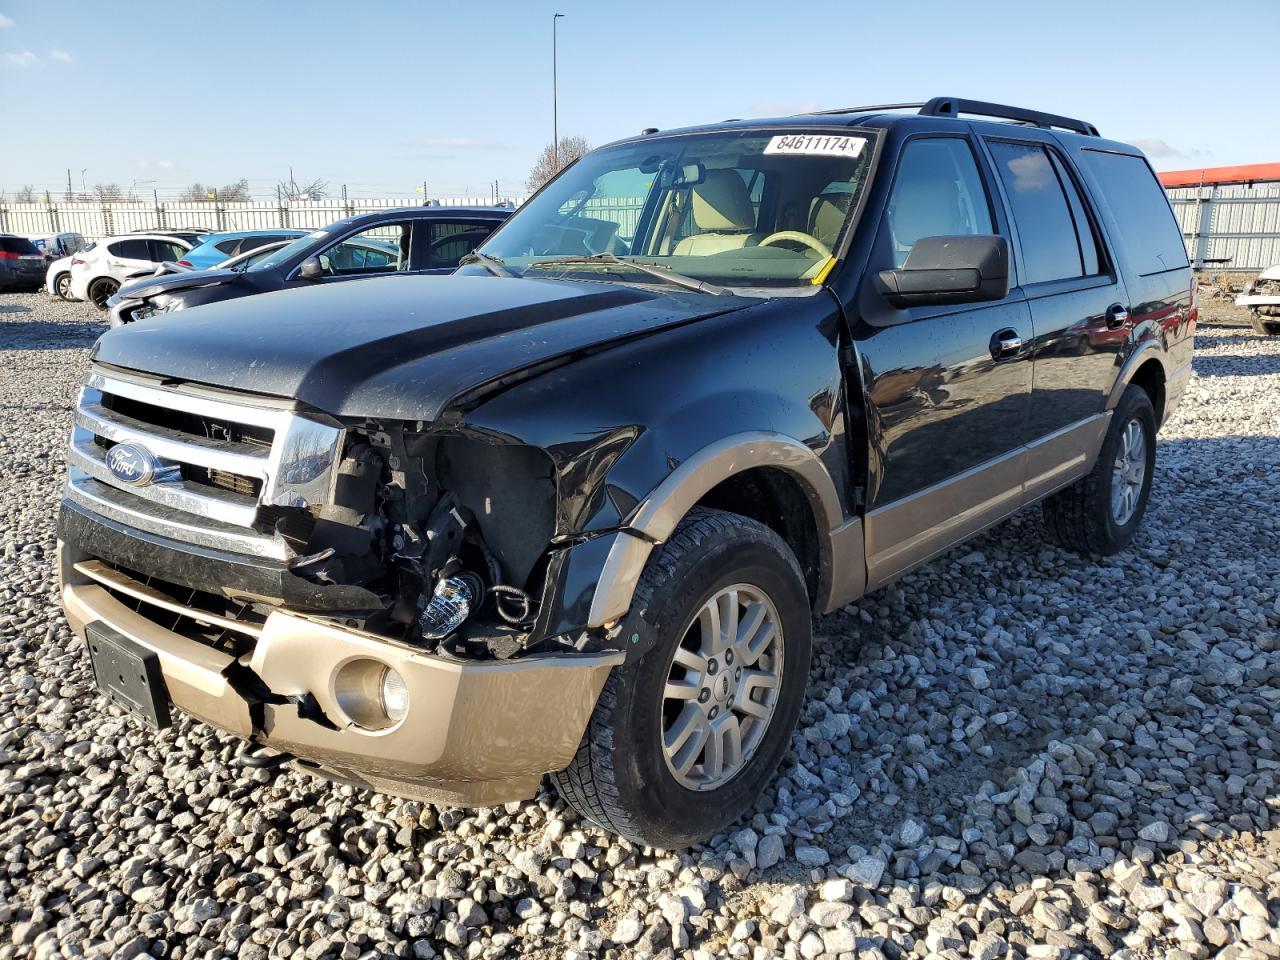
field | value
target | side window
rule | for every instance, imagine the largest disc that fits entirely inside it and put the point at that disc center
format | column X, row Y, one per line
column 1148, row 232
column 162, row 250
column 451, row 240
column 1046, row 228
column 253, row 243
column 938, row 193
column 1085, row 235
column 229, row 247
column 381, row 249
column 130, row 250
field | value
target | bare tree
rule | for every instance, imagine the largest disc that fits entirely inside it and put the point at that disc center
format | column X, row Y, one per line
column 227, row 192
column 571, row 148
column 26, row 195
column 292, row 189
column 107, row 192
column 235, row 191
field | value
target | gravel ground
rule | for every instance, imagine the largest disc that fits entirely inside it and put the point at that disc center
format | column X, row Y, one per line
column 1012, row 752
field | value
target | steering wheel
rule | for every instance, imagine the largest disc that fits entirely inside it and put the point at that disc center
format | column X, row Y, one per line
column 813, row 243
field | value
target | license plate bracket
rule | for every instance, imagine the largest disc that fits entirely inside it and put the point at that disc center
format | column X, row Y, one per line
column 128, row 674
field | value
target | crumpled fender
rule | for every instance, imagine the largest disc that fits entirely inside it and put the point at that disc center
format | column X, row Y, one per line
column 640, row 432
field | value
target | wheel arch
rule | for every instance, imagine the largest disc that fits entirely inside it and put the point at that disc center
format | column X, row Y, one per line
column 1145, row 368
column 801, row 505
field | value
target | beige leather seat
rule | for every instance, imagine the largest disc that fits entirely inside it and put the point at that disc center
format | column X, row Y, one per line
column 826, row 216
column 723, row 213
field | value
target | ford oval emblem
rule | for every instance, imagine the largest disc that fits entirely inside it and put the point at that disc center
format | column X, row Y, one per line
column 133, row 464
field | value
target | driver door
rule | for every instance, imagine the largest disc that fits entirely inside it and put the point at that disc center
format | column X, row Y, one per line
column 947, row 406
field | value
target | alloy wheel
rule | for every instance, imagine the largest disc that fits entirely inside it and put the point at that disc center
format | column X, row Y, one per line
column 722, row 687
column 1128, row 473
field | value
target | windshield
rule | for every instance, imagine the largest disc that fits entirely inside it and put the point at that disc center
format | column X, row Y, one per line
column 286, row 252
column 736, row 209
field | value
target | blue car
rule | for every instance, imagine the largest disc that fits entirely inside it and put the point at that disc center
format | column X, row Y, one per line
column 217, row 247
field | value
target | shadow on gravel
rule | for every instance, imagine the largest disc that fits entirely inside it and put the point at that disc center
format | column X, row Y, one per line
column 13, row 308
column 42, row 335
column 1232, row 366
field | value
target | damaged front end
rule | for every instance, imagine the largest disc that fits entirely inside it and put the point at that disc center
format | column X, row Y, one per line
column 388, row 602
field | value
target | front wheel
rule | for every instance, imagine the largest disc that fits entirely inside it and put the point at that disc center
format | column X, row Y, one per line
column 1100, row 513
column 685, row 737
column 102, row 290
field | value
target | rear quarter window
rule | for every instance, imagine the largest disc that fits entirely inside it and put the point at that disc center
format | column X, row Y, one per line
column 1149, row 234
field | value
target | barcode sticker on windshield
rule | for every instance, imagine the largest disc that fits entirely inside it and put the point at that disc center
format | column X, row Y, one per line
column 810, row 145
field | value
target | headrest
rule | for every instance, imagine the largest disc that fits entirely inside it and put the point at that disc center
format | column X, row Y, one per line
column 721, row 202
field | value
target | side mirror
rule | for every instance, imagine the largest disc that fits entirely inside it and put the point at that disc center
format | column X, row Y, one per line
column 311, row 269
column 944, row 270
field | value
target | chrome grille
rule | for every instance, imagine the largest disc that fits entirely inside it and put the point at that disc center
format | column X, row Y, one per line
column 232, row 456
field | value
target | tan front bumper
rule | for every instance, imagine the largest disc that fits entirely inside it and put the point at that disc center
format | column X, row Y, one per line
column 476, row 733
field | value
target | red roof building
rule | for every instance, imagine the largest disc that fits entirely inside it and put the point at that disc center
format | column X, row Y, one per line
column 1215, row 176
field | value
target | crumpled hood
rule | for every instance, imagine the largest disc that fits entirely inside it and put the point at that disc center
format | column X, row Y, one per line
column 396, row 347
column 169, row 282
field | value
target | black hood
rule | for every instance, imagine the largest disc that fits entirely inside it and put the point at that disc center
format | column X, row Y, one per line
column 169, row 282
column 396, row 347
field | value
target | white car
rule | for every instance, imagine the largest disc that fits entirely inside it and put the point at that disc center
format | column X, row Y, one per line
column 1262, row 297
column 57, row 279
column 97, row 273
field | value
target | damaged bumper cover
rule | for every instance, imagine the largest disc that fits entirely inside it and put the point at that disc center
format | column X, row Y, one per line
column 474, row 733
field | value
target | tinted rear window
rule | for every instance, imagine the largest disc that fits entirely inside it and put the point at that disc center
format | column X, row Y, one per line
column 1148, row 232
column 1046, row 229
column 19, row 245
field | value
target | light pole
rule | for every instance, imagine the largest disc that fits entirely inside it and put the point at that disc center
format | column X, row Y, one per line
column 555, row 100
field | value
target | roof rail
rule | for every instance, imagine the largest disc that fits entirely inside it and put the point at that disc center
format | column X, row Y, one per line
column 954, row 106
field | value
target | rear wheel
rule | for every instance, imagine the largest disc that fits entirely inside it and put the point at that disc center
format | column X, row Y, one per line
column 1100, row 513
column 685, row 737
column 102, row 290
column 62, row 286
column 1267, row 326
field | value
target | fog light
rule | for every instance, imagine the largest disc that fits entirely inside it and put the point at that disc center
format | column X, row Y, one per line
column 370, row 693
column 395, row 696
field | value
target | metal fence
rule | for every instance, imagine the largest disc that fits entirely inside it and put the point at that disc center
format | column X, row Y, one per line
column 1235, row 227
column 96, row 220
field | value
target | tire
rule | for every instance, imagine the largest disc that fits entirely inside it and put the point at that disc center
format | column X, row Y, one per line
column 1265, row 326
column 102, row 290
column 62, row 286
column 1085, row 517
column 622, row 776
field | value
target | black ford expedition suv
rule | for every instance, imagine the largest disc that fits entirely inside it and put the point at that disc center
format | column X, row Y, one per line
column 570, row 510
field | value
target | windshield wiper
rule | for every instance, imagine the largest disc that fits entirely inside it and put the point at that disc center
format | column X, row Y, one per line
column 653, row 269
column 491, row 263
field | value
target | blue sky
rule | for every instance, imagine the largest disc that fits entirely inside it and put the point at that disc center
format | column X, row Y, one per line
column 382, row 95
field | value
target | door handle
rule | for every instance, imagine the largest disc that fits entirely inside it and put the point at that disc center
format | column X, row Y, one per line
column 1117, row 316
column 1006, row 344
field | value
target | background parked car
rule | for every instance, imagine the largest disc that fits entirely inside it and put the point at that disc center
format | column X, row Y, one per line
column 214, row 248
column 21, row 264
column 408, row 240
column 192, row 235
column 54, row 246
column 97, row 273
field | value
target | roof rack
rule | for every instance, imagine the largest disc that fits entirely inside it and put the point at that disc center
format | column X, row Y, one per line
column 954, row 106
